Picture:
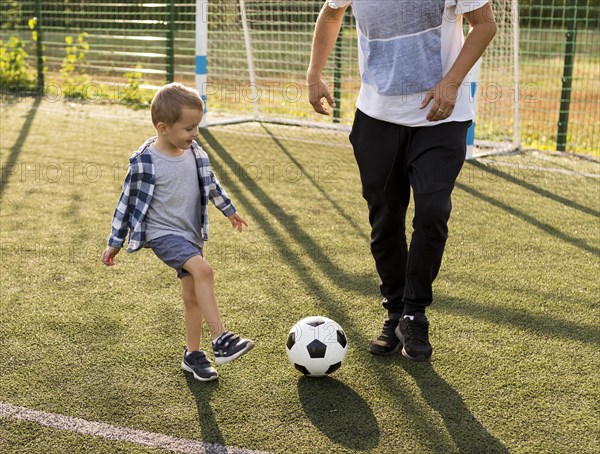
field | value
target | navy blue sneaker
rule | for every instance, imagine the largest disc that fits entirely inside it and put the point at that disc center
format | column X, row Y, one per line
column 413, row 332
column 198, row 364
column 229, row 346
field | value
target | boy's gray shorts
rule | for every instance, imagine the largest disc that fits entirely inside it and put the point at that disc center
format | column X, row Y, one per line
column 174, row 250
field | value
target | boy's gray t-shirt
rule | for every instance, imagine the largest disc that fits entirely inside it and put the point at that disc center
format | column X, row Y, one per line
column 175, row 206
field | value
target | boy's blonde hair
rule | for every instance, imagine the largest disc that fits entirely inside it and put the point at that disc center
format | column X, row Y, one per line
column 170, row 99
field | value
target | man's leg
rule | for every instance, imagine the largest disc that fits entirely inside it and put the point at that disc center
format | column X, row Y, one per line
column 378, row 148
column 436, row 156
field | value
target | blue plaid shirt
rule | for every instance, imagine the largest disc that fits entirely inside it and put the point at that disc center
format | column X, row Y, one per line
column 137, row 192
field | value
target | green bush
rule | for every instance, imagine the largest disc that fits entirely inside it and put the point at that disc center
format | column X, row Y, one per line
column 11, row 13
column 73, row 67
column 133, row 93
column 15, row 73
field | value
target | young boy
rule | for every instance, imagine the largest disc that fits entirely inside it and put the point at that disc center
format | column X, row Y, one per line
column 164, row 206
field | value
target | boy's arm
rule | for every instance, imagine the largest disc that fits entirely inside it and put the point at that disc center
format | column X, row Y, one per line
column 122, row 215
column 445, row 93
column 326, row 32
column 218, row 196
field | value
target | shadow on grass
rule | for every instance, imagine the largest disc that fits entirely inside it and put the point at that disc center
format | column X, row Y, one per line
column 466, row 432
column 533, row 188
column 519, row 319
column 339, row 412
column 360, row 284
column 202, row 391
column 535, row 287
column 15, row 151
column 316, row 184
column 551, row 230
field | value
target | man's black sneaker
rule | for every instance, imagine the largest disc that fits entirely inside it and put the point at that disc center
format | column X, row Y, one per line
column 413, row 332
column 387, row 342
column 228, row 346
column 198, row 364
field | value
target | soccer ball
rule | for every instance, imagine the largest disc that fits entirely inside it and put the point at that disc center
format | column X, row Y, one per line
column 316, row 346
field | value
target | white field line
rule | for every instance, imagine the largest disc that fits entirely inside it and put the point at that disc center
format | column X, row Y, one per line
column 518, row 165
column 109, row 432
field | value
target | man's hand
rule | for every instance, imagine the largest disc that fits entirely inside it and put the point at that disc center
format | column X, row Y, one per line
column 325, row 35
column 318, row 90
column 444, row 96
column 108, row 256
column 237, row 222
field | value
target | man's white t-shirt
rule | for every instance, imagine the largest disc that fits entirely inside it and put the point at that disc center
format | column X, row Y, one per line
column 405, row 47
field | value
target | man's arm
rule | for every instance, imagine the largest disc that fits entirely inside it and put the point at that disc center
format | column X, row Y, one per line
column 484, row 28
column 444, row 94
column 326, row 32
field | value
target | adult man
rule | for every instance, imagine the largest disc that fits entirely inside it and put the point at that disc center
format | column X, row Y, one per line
column 409, row 131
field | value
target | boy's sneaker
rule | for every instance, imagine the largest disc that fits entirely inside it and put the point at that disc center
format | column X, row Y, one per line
column 229, row 346
column 413, row 332
column 198, row 364
column 387, row 342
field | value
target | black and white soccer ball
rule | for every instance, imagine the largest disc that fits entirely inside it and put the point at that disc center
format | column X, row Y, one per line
column 316, row 346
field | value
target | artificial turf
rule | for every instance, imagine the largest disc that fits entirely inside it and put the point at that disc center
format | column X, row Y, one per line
column 514, row 324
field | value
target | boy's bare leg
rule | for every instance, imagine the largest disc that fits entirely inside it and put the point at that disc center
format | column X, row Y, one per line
column 192, row 314
column 203, row 279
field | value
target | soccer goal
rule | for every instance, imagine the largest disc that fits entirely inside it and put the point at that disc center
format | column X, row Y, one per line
column 252, row 55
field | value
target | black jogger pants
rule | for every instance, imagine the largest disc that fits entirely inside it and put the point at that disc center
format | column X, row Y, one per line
column 392, row 159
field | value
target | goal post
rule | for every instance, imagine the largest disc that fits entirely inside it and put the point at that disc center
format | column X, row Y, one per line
column 497, row 85
column 249, row 58
column 515, row 54
column 504, row 53
column 201, row 67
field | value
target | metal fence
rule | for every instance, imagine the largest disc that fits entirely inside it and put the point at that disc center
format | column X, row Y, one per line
column 560, row 74
column 155, row 39
column 153, row 43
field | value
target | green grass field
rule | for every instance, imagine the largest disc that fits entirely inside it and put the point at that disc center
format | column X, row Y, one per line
column 514, row 325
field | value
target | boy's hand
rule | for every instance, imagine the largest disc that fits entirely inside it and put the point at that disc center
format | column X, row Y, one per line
column 237, row 222
column 108, row 256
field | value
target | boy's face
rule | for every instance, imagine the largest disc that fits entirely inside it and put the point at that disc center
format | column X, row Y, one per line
column 181, row 133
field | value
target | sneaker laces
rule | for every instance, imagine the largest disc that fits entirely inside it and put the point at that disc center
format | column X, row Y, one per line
column 417, row 330
column 388, row 328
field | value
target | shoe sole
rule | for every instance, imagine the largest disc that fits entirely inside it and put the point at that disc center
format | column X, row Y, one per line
column 420, row 358
column 226, row 359
column 185, row 367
